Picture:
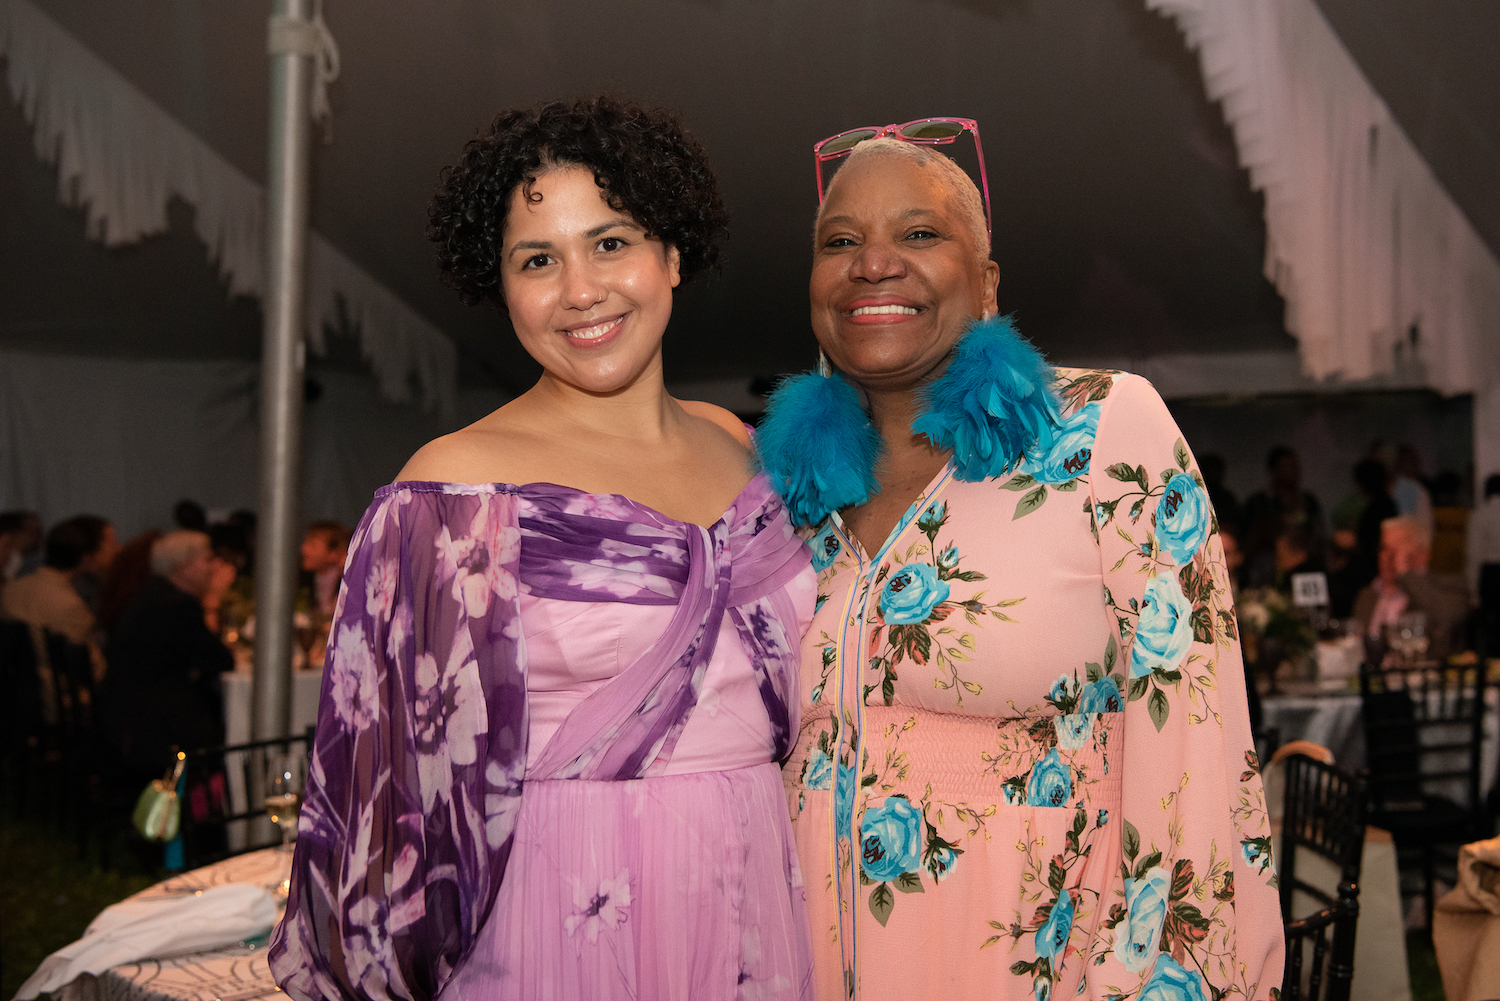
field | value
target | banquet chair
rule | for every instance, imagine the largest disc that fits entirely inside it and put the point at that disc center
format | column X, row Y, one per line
column 78, row 743
column 211, row 778
column 23, row 727
column 1424, row 730
column 1323, row 813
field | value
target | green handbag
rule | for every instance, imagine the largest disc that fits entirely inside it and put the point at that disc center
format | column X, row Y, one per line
column 159, row 812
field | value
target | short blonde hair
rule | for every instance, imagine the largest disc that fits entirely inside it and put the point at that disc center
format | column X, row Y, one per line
column 175, row 548
column 965, row 192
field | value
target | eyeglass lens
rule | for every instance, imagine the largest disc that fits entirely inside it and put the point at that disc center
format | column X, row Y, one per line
column 932, row 130
column 847, row 141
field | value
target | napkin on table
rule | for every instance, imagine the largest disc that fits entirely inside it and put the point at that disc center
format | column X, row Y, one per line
column 155, row 927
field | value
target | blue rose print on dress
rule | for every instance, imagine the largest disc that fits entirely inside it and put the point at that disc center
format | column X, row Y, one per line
column 1073, row 730
column 1102, row 819
column 1183, row 518
column 1257, row 852
column 1165, row 631
column 1071, row 450
column 819, row 771
column 1051, row 782
column 1146, row 908
column 911, row 594
column 1102, row 696
column 1052, row 936
column 1059, row 689
column 947, row 560
column 843, row 800
column 824, row 546
column 942, row 861
column 1169, row 981
column 890, row 839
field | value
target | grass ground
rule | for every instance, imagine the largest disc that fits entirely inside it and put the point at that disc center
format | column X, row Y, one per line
column 48, row 894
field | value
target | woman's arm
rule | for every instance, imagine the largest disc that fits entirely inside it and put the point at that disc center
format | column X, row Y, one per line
column 1193, row 897
column 420, row 746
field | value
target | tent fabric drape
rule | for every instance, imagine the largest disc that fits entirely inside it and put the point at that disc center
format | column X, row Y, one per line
column 122, row 158
column 1361, row 239
column 126, row 439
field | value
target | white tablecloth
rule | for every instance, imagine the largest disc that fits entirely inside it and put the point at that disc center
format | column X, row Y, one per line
column 1334, row 722
column 232, row 973
column 237, row 690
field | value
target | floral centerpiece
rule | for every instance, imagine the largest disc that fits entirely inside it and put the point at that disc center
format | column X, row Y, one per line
column 1272, row 630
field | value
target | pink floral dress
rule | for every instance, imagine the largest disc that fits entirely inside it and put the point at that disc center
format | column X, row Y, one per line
column 1025, row 767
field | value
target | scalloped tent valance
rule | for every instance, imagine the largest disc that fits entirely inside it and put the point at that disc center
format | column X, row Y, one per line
column 122, row 158
column 1362, row 241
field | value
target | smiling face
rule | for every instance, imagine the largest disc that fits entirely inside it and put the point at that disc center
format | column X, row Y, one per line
column 588, row 291
column 895, row 274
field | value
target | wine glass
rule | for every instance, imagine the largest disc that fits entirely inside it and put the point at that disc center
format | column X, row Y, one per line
column 285, row 775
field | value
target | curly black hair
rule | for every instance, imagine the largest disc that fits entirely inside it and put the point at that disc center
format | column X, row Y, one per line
column 643, row 159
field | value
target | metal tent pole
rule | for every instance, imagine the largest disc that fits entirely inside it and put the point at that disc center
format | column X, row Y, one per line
column 283, row 360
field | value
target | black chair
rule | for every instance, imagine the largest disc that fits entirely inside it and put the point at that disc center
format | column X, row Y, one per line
column 79, row 745
column 1323, row 814
column 207, row 808
column 23, row 727
column 1424, row 729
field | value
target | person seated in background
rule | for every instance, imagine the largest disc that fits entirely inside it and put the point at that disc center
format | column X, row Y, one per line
column 1482, row 561
column 324, row 550
column 1405, row 585
column 190, row 516
column 1226, row 505
column 129, row 570
column 1298, row 550
column 1411, row 496
column 20, row 542
column 1282, row 505
column 47, row 598
column 165, row 659
column 1358, row 548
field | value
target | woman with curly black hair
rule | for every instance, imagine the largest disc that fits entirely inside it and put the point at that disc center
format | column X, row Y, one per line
column 563, row 667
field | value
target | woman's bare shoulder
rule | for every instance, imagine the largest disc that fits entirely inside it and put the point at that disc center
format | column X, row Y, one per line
column 483, row 452
column 718, row 415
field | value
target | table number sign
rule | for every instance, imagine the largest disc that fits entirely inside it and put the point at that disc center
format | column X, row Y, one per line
column 1309, row 590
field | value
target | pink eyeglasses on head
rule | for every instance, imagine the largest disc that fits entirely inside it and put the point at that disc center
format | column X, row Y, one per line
column 926, row 131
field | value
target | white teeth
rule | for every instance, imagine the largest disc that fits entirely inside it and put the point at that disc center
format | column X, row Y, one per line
column 885, row 311
column 594, row 332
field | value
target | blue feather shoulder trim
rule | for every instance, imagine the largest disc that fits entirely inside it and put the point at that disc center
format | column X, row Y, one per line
column 817, row 446
column 993, row 403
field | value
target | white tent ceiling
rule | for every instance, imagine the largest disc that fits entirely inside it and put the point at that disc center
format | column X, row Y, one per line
column 1123, row 225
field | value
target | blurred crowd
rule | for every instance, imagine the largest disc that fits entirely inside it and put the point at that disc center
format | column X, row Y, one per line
column 157, row 620
column 1399, row 542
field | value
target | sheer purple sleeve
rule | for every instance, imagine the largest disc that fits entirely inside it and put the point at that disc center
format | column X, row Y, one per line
column 416, row 768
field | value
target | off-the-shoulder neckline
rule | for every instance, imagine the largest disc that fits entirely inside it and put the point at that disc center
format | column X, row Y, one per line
column 520, row 489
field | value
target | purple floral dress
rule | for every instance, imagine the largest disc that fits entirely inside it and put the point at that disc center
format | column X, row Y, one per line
column 439, row 855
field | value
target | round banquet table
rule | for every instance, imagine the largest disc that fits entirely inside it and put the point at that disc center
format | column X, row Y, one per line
column 231, row 973
column 1334, row 721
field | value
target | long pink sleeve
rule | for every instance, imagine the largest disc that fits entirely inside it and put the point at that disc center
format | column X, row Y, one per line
column 1194, row 896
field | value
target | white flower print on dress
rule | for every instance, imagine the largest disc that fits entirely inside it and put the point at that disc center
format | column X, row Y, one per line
column 448, row 717
column 352, row 683
column 601, row 909
column 479, row 562
column 380, row 589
